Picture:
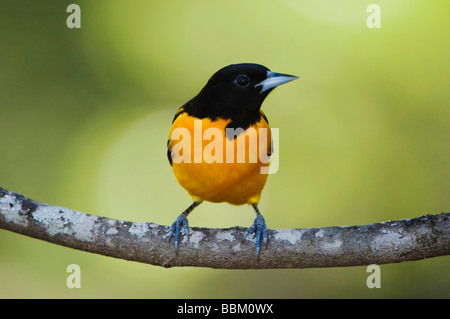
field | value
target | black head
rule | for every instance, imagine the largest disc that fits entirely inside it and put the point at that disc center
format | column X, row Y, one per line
column 236, row 92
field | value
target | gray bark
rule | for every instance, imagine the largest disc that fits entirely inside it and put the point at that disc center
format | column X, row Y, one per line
column 387, row 242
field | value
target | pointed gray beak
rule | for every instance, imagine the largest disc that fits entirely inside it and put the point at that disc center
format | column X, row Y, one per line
column 274, row 79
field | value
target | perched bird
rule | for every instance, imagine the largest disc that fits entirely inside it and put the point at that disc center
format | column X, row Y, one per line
column 228, row 168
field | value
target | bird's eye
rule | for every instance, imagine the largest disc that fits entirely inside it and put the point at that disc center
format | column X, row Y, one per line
column 242, row 80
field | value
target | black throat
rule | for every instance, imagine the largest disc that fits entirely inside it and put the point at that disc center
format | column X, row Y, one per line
column 242, row 112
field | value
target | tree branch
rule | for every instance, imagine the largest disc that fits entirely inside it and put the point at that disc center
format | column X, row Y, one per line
column 381, row 243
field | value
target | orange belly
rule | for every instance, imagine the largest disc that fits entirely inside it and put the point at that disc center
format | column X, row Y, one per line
column 215, row 168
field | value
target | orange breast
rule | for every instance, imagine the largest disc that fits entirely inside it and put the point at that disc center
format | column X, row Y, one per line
column 215, row 168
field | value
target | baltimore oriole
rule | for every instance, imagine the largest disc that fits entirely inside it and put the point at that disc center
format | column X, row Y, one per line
column 224, row 169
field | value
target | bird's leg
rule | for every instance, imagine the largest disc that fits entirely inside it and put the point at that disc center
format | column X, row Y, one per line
column 181, row 224
column 259, row 226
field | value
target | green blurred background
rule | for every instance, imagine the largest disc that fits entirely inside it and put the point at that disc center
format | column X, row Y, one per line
column 85, row 113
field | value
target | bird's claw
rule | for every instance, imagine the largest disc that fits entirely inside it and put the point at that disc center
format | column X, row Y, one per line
column 180, row 225
column 260, row 228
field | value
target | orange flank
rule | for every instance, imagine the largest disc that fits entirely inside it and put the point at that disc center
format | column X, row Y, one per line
column 217, row 168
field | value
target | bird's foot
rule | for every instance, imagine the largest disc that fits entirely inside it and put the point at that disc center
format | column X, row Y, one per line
column 260, row 229
column 180, row 225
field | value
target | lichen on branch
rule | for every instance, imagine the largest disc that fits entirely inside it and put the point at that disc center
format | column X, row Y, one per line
column 386, row 242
